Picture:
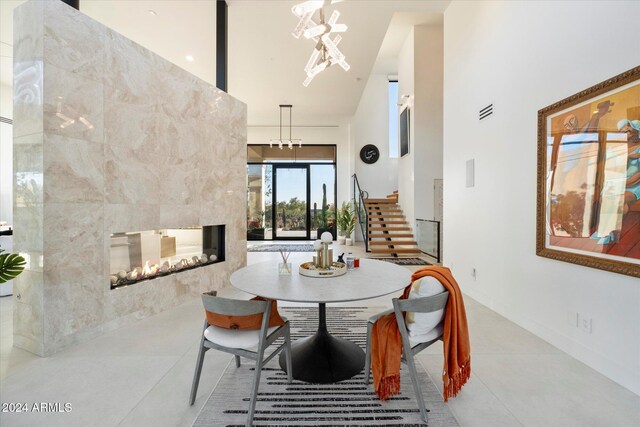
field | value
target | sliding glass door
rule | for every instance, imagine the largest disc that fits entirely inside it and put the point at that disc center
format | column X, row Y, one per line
column 323, row 196
column 291, row 202
column 291, row 194
column 259, row 202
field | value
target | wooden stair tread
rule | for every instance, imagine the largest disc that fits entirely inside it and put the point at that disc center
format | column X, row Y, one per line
column 389, row 229
column 389, row 235
column 395, row 250
column 377, row 227
column 394, row 243
column 375, row 214
column 389, row 232
column 379, row 201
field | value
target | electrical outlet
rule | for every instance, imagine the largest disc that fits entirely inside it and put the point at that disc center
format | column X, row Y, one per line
column 474, row 273
column 587, row 325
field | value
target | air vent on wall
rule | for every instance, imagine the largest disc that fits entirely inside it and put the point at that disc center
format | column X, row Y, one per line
column 486, row 111
column 6, row 120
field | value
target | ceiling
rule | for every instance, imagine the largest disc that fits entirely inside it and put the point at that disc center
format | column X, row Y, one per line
column 265, row 61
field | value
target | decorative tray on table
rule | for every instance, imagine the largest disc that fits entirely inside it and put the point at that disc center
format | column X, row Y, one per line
column 336, row 269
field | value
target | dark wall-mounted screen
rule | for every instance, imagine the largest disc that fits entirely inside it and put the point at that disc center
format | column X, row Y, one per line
column 404, row 132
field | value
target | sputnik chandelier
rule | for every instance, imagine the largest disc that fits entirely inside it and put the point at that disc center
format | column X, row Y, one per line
column 326, row 52
column 289, row 141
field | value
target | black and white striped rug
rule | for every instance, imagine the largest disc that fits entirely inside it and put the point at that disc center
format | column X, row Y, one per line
column 305, row 247
column 404, row 261
column 347, row 403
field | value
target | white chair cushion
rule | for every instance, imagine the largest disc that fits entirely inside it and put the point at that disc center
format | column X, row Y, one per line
column 420, row 325
column 246, row 339
column 431, row 335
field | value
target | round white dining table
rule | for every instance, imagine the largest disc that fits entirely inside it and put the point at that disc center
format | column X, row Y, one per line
column 322, row 357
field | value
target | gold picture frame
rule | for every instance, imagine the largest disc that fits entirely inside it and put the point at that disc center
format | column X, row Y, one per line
column 588, row 201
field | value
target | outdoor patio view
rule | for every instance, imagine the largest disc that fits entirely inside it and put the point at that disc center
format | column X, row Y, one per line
column 299, row 198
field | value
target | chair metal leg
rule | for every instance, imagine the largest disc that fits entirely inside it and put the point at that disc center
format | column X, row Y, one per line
column 408, row 354
column 254, row 392
column 237, row 361
column 367, row 356
column 196, row 374
column 287, row 354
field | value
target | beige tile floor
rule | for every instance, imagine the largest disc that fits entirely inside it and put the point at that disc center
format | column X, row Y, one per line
column 140, row 375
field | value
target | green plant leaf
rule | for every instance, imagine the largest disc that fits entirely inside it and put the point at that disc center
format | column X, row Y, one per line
column 11, row 265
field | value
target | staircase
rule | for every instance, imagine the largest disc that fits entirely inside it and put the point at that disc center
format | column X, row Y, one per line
column 389, row 232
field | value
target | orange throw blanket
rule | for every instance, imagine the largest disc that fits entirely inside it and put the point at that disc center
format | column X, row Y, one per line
column 386, row 342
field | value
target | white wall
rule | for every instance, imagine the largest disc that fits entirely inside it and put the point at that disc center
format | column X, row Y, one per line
column 164, row 33
column 523, row 56
column 406, row 164
column 6, row 155
column 371, row 126
column 427, row 113
column 420, row 75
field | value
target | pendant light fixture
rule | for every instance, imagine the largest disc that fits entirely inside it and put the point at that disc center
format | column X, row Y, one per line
column 281, row 142
column 326, row 52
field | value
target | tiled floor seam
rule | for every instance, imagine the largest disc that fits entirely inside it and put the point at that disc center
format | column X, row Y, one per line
column 504, row 405
column 453, row 411
column 178, row 359
column 231, row 359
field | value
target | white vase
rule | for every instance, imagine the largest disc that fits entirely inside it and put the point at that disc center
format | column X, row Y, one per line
column 349, row 242
column 341, row 240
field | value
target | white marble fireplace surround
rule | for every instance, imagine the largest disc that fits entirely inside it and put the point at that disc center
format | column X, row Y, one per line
column 150, row 147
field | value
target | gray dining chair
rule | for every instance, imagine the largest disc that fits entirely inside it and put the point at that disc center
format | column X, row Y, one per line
column 410, row 348
column 250, row 344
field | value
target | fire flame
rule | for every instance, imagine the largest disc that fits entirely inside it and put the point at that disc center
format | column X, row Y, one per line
column 146, row 270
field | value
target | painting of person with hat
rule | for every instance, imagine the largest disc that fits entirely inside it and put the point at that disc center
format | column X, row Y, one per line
column 632, row 186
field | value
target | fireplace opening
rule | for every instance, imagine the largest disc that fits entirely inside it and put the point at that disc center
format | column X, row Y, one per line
column 143, row 255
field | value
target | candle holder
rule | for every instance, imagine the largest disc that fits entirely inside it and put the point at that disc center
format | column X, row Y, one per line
column 319, row 259
column 284, row 268
column 324, row 255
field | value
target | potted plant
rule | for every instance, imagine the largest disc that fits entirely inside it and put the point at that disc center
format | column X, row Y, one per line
column 346, row 221
column 326, row 217
column 11, row 265
column 255, row 228
column 325, row 223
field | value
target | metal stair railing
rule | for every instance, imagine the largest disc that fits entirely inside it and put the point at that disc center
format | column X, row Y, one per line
column 359, row 197
column 428, row 237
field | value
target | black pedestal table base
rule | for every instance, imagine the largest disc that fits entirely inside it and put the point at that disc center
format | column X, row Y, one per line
column 323, row 358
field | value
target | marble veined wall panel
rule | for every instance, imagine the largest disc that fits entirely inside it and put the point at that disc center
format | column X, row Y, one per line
column 74, row 43
column 28, row 49
column 73, row 105
column 74, row 168
column 118, row 139
column 28, row 168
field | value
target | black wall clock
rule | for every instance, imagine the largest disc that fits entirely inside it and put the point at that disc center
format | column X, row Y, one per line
column 369, row 154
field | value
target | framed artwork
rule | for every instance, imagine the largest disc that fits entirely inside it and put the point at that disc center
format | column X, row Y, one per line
column 369, row 154
column 588, row 210
column 404, row 131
